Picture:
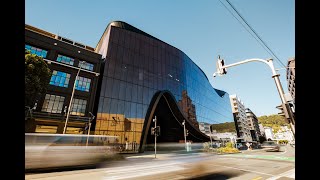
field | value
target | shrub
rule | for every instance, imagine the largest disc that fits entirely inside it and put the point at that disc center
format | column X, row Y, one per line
column 229, row 144
column 227, row 150
column 206, row 146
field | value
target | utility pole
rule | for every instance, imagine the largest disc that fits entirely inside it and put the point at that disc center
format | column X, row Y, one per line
column 222, row 69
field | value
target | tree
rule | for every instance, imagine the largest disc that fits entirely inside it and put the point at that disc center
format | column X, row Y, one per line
column 36, row 79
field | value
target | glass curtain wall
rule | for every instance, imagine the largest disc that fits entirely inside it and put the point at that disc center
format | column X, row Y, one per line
column 136, row 68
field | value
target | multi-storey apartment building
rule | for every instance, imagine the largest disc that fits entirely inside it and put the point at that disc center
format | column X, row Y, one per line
column 253, row 124
column 240, row 118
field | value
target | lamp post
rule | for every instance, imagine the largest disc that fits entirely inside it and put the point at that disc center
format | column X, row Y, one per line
column 184, row 133
column 71, row 99
column 222, row 70
column 90, row 120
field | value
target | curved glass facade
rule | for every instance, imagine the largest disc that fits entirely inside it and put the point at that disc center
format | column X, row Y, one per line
column 138, row 65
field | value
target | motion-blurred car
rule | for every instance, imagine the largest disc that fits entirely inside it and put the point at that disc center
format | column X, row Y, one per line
column 271, row 146
column 292, row 144
column 47, row 151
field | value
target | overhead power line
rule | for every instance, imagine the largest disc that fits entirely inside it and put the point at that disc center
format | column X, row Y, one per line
column 261, row 42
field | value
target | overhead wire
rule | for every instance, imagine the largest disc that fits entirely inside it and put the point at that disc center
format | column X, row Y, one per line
column 261, row 42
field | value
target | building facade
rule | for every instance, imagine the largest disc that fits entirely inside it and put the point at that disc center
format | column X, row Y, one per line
column 143, row 78
column 291, row 74
column 129, row 79
column 262, row 130
column 269, row 133
column 253, row 124
column 284, row 134
column 63, row 57
column 240, row 118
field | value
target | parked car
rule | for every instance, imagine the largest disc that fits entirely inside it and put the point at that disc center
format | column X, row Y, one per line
column 270, row 146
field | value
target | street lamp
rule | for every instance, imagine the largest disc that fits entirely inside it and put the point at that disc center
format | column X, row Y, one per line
column 221, row 70
column 90, row 120
column 184, row 132
column 74, row 87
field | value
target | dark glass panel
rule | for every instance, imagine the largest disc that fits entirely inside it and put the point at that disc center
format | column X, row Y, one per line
column 122, row 90
column 114, row 107
column 139, row 111
column 121, row 107
column 109, row 84
column 127, row 109
column 145, row 95
column 140, row 77
column 140, row 94
column 128, row 91
column 124, row 71
column 114, row 35
column 118, row 71
column 119, row 53
column 126, row 56
column 127, row 40
column 115, row 87
column 111, row 68
column 133, row 110
column 121, row 37
column 130, row 74
column 135, row 93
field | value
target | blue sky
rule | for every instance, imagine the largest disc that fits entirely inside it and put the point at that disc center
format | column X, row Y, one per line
column 201, row 29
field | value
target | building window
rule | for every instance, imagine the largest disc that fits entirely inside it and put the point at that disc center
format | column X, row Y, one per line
column 83, row 84
column 65, row 59
column 60, row 79
column 86, row 65
column 78, row 107
column 53, row 103
column 37, row 51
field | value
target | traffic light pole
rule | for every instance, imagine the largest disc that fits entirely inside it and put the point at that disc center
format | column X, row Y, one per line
column 275, row 76
column 155, row 137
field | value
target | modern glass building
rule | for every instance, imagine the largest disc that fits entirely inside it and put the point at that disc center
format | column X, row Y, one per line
column 142, row 77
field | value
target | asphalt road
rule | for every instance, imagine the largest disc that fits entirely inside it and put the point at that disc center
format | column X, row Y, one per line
column 251, row 165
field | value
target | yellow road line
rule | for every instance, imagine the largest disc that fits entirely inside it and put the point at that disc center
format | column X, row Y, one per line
column 257, row 178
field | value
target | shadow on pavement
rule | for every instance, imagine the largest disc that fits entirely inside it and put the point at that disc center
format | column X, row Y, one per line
column 216, row 176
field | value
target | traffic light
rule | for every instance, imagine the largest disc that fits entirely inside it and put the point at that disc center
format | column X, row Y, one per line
column 187, row 132
column 220, row 64
column 158, row 131
column 153, row 131
column 284, row 112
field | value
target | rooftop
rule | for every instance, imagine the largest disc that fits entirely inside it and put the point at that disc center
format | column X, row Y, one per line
column 60, row 38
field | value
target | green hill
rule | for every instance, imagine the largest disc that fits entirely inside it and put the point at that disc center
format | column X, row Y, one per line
column 274, row 121
column 224, row 127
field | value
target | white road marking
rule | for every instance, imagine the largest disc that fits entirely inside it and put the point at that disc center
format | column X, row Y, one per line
column 289, row 174
column 141, row 170
column 257, row 172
